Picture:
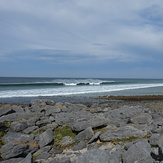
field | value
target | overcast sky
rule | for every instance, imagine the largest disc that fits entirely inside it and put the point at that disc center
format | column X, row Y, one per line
column 81, row 38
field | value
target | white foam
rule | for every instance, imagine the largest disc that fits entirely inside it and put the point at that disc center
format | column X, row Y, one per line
column 73, row 90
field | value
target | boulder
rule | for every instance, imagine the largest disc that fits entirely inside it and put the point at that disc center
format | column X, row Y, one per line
column 11, row 150
column 125, row 132
column 67, row 140
column 94, row 156
column 30, row 129
column 94, row 123
column 32, row 121
column 17, row 109
column 18, row 126
column 6, row 109
column 45, row 138
column 70, row 118
column 95, row 137
column 13, row 160
column 85, row 135
column 143, row 118
column 27, row 159
column 79, row 146
column 138, row 152
column 17, row 136
column 61, row 160
column 14, row 117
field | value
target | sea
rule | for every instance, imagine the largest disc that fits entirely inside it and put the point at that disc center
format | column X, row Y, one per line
column 25, row 89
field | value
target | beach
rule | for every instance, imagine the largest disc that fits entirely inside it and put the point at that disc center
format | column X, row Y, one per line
column 118, row 129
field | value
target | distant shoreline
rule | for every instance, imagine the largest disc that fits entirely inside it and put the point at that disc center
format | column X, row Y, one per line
column 83, row 99
column 133, row 98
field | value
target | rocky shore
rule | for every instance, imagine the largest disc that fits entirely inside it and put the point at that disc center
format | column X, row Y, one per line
column 120, row 131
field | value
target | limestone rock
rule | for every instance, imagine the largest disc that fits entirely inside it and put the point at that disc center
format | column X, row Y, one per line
column 125, row 132
column 138, row 152
column 11, row 150
column 16, row 136
column 94, row 156
column 6, row 109
column 45, row 138
column 13, row 160
column 67, row 140
column 18, row 126
column 27, row 159
column 94, row 122
column 85, row 135
column 80, row 145
column 143, row 118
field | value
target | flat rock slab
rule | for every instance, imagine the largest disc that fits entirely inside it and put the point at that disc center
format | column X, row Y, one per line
column 6, row 110
column 94, row 156
column 18, row 126
column 139, row 152
column 125, row 132
column 45, row 138
column 94, row 123
column 13, row 160
column 143, row 118
column 15, row 136
column 85, row 135
column 11, row 150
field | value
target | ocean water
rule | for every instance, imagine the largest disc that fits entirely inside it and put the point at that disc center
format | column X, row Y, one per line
column 22, row 89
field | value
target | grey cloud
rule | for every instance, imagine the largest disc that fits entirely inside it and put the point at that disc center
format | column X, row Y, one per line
column 89, row 28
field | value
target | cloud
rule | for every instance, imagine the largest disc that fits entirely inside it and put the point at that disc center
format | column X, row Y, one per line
column 125, row 31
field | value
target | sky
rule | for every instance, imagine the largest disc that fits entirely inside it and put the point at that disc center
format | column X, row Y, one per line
column 81, row 38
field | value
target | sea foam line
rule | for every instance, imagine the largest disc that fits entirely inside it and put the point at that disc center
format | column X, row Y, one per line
column 73, row 90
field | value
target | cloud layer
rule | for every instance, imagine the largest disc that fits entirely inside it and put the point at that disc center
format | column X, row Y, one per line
column 79, row 32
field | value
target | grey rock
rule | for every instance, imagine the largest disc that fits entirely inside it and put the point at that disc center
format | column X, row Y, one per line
column 52, row 110
column 16, row 136
column 94, row 156
column 67, row 140
column 51, row 126
column 30, row 129
column 6, row 109
column 32, row 121
column 160, row 141
column 61, row 160
column 50, row 102
column 51, row 118
column 140, row 152
column 43, row 155
column 94, row 122
column 69, row 107
column 69, row 118
column 124, row 132
column 43, row 122
column 27, row 159
column 18, row 126
column 143, row 118
column 13, row 160
column 79, row 146
column 18, row 109
column 157, row 154
column 116, row 156
column 130, row 111
column 11, row 150
column 15, row 117
column 40, row 151
column 45, row 138
column 85, row 135
column 153, row 140
column 95, row 136
column 55, row 151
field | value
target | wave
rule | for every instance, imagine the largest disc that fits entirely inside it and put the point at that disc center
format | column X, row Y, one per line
column 55, row 84
column 62, row 91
